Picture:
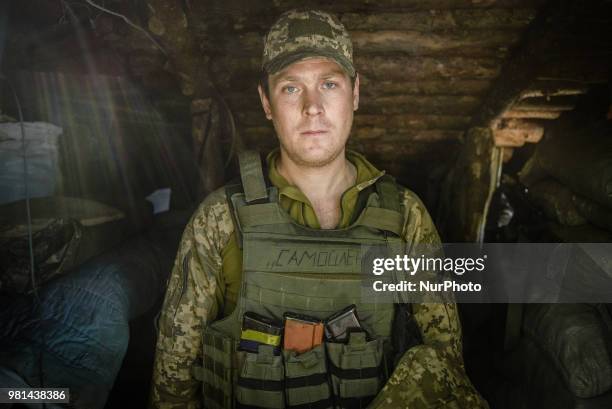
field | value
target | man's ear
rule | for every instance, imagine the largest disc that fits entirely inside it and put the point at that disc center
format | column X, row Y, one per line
column 265, row 102
column 356, row 93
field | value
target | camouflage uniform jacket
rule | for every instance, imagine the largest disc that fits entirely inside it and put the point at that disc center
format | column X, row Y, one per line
column 427, row 376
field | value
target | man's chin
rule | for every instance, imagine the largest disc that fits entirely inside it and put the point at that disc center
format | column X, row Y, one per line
column 314, row 159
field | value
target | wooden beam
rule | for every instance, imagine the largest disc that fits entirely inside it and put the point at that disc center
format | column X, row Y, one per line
column 408, row 149
column 419, row 20
column 419, row 104
column 460, row 42
column 467, row 193
column 339, row 6
column 237, row 70
column 531, row 114
column 405, row 68
column 507, row 154
column 534, row 131
column 373, row 87
column 391, row 105
column 428, row 21
column 413, row 121
column 390, row 136
column 450, row 86
column 529, row 62
column 464, row 43
column 553, row 89
column 542, row 107
column 256, row 117
column 517, row 134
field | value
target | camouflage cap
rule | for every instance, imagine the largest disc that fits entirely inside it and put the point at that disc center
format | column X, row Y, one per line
column 299, row 34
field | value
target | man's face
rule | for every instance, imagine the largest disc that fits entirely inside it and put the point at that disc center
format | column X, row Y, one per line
column 311, row 104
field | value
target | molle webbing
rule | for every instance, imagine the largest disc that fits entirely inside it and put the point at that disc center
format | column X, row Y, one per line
column 292, row 268
column 217, row 370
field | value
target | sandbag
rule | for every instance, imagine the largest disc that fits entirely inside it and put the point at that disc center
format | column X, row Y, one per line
column 42, row 153
column 561, row 331
column 597, row 214
column 65, row 233
column 77, row 335
column 532, row 172
column 580, row 160
column 585, row 233
column 556, row 202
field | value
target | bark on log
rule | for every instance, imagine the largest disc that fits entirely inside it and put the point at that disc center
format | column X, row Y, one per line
column 440, row 20
column 375, row 87
column 554, row 89
column 473, row 43
column 419, row 20
column 507, row 154
column 390, row 136
column 516, row 114
column 376, row 135
column 404, row 68
column 339, row 6
column 417, row 104
column 515, row 133
column 407, row 151
column 237, row 70
column 509, row 138
column 399, row 104
column 559, row 103
column 542, row 107
column 410, row 121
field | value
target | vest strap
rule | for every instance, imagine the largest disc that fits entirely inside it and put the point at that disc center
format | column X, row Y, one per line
column 388, row 193
column 382, row 219
column 252, row 176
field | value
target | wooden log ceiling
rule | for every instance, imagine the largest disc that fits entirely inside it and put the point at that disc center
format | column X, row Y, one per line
column 429, row 69
column 425, row 67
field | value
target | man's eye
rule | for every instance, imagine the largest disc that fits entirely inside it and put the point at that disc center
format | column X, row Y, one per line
column 290, row 89
column 329, row 85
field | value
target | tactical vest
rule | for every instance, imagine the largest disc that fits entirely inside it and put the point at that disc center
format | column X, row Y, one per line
column 290, row 267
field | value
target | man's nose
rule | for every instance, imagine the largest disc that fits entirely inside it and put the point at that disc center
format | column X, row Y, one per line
column 313, row 105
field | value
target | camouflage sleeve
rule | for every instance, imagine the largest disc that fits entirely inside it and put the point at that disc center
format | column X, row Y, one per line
column 431, row 375
column 191, row 301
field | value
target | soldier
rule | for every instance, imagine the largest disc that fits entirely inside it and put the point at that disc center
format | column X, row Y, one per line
column 318, row 198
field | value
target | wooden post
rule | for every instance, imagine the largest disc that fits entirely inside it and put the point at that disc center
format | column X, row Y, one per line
column 471, row 183
column 467, row 193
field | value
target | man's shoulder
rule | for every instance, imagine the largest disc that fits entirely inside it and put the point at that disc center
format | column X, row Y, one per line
column 418, row 225
column 409, row 199
column 214, row 212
